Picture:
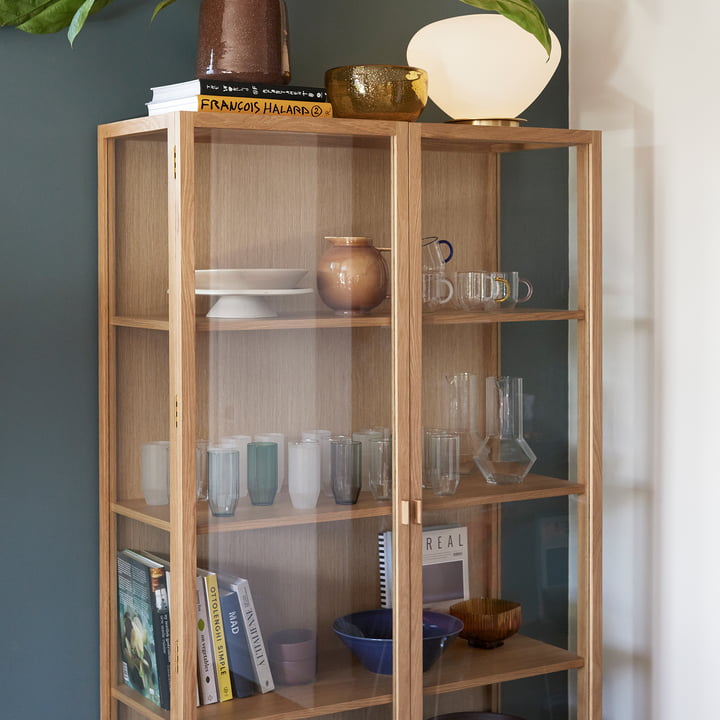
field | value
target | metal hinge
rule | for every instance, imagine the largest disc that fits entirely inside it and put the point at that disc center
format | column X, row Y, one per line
column 177, row 411
column 174, row 161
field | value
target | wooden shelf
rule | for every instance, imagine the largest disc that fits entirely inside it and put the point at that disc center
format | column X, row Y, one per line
column 138, row 704
column 463, row 667
column 345, row 685
column 472, row 491
column 304, row 321
column 500, row 316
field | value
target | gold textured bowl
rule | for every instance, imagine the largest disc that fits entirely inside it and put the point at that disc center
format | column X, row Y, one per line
column 377, row 92
column 488, row 622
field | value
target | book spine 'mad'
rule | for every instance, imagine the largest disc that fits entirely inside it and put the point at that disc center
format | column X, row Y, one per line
column 222, row 667
column 263, row 675
column 251, row 106
column 207, row 682
column 242, row 674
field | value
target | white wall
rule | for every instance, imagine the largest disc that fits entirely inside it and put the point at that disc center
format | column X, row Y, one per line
column 646, row 73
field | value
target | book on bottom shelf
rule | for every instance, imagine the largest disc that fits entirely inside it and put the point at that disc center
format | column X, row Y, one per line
column 207, row 678
column 263, row 91
column 253, row 634
column 144, row 623
column 243, row 106
column 217, row 634
column 242, row 670
column 445, row 566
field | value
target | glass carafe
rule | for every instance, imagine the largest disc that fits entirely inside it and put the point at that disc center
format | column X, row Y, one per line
column 462, row 409
column 504, row 457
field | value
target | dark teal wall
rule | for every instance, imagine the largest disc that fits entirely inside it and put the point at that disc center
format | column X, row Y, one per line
column 52, row 98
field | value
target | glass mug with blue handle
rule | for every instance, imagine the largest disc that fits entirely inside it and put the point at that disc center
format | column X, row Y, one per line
column 435, row 254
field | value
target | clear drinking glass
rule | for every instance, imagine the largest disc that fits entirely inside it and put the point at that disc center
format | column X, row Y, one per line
column 443, row 457
column 380, row 472
column 462, row 408
column 345, row 469
column 223, row 480
column 364, row 437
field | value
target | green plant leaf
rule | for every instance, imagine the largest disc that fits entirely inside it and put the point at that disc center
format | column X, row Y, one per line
column 79, row 19
column 45, row 16
column 161, row 6
column 524, row 13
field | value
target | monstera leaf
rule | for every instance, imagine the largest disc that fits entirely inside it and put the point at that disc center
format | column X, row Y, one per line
column 524, row 13
column 49, row 16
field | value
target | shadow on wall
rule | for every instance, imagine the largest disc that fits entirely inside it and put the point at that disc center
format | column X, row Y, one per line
column 622, row 98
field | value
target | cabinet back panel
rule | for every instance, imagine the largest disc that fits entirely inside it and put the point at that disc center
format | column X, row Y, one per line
column 141, row 235
column 459, row 193
column 272, row 206
column 142, row 402
column 292, row 381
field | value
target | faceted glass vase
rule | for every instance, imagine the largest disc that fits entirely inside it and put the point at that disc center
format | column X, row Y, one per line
column 504, row 457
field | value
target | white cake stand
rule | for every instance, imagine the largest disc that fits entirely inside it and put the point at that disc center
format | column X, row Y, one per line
column 249, row 303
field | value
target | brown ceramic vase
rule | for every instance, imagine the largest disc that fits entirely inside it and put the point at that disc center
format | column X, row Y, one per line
column 352, row 276
column 243, row 41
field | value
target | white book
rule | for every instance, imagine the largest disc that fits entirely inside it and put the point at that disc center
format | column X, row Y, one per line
column 256, row 644
column 445, row 566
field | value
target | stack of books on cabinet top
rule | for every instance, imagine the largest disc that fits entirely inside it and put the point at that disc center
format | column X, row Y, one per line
column 232, row 659
column 240, row 97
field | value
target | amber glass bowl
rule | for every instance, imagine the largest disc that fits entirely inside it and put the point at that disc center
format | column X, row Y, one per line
column 377, row 92
column 488, row 622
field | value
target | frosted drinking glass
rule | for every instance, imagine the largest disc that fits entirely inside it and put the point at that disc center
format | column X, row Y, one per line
column 304, row 473
column 155, row 478
column 323, row 437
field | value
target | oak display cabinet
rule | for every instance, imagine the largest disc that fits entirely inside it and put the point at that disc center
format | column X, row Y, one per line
column 188, row 191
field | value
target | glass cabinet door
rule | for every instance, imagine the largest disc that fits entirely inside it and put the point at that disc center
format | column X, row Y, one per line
column 296, row 252
column 506, row 424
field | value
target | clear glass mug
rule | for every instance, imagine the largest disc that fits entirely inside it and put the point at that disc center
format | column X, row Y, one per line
column 477, row 290
column 434, row 257
column 436, row 290
column 512, row 280
column 480, row 290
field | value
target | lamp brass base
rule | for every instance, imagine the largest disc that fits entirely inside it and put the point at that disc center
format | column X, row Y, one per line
column 495, row 122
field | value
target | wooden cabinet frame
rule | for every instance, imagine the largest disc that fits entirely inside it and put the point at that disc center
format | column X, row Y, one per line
column 407, row 144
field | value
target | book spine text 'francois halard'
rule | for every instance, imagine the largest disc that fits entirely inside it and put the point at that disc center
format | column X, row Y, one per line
column 211, row 103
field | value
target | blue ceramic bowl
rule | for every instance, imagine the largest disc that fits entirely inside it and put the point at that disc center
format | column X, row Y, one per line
column 368, row 634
